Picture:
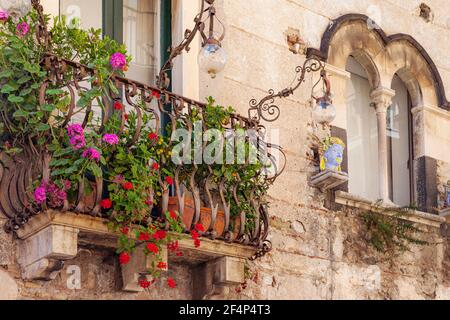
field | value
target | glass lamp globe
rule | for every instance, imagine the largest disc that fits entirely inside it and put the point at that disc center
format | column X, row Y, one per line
column 212, row 58
column 324, row 111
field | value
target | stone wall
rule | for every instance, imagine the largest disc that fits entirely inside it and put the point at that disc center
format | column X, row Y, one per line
column 443, row 173
column 317, row 253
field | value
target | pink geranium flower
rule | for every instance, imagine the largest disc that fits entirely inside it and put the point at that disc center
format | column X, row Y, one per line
column 78, row 142
column 91, row 154
column 75, row 129
column 3, row 15
column 111, row 139
column 22, row 29
column 40, row 194
column 76, row 136
column 118, row 61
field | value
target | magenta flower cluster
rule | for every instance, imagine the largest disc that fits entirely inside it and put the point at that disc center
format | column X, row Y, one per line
column 40, row 194
column 23, row 28
column 51, row 192
column 118, row 61
column 111, row 139
column 76, row 136
column 3, row 15
column 91, row 154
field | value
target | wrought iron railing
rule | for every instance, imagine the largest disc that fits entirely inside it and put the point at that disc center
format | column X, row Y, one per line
column 17, row 172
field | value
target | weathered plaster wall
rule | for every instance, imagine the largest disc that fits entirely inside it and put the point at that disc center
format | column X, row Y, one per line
column 318, row 253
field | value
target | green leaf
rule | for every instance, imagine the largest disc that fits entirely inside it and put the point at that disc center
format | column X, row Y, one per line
column 6, row 74
column 17, row 45
column 43, row 127
column 63, row 152
column 32, row 68
column 15, row 99
column 54, row 92
column 8, row 89
column 25, row 92
column 70, row 170
column 23, row 79
column 58, row 172
column 21, row 114
column 96, row 170
column 59, row 163
column 48, row 107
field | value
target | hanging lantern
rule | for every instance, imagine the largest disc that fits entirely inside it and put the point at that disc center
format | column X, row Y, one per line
column 212, row 58
column 324, row 112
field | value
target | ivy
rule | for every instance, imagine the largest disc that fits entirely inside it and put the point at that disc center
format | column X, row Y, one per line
column 388, row 231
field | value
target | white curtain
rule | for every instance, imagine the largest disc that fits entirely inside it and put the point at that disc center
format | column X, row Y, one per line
column 362, row 135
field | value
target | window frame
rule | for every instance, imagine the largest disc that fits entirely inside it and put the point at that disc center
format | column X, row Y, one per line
column 113, row 27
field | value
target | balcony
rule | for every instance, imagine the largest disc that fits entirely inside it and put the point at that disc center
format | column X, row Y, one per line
column 93, row 157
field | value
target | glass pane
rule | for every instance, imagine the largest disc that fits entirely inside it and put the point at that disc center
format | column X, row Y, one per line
column 88, row 11
column 139, row 35
column 362, row 136
column 399, row 145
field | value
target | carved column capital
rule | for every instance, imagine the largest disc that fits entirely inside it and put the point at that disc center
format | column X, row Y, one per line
column 382, row 98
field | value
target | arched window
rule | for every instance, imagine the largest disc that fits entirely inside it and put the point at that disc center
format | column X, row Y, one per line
column 363, row 139
column 399, row 145
column 362, row 135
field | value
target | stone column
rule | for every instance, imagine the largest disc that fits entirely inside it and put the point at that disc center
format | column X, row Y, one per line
column 381, row 100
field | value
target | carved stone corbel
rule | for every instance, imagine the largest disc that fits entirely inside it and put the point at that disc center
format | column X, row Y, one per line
column 213, row 277
column 42, row 255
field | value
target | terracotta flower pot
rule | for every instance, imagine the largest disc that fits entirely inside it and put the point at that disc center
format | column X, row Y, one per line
column 205, row 216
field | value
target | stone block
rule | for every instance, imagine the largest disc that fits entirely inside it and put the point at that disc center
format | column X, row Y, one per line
column 229, row 271
column 8, row 287
column 213, row 277
column 41, row 255
column 138, row 266
column 328, row 180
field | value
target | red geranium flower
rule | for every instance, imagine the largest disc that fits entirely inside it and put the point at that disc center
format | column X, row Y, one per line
column 118, row 106
column 153, row 136
column 160, row 235
column 126, row 116
column 152, row 248
column 128, row 186
column 125, row 230
column 162, row 265
column 173, row 215
column 144, row 283
column 106, row 204
column 194, row 234
column 144, row 236
column 179, row 254
column 173, row 246
column 155, row 166
column 171, row 283
column 199, row 227
column 197, row 243
column 169, row 180
column 124, row 258
column 156, row 94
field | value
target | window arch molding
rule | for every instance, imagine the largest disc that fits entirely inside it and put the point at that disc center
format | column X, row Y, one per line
column 383, row 57
column 356, row 32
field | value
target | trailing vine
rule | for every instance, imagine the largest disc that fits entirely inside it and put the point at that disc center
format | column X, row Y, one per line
column 388, row 231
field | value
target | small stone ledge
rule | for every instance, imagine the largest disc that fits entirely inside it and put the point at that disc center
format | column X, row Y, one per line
column 52, row 237
column 328, row 180
column 349, row 200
